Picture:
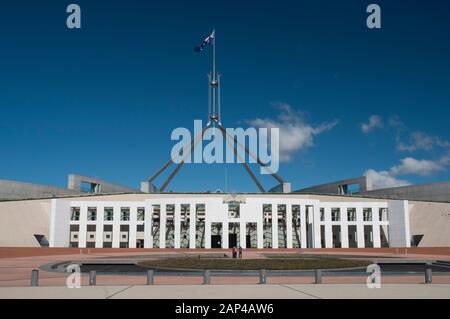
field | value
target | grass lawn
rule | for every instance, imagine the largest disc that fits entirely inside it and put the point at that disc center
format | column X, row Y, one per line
column 254, row 264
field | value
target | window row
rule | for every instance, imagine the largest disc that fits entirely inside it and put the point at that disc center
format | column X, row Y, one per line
column 108, row 214
column 351, row 214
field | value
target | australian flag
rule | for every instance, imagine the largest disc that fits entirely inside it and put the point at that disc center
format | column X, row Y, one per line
column 205, row 42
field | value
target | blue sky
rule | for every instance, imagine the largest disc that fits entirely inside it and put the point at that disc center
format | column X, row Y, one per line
column 102, row 101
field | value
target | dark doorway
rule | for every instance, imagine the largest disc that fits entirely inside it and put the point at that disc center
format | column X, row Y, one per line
column 416, row 239
column 232, row 240
column 216, row 241
column 248, row 242
column 43, row 242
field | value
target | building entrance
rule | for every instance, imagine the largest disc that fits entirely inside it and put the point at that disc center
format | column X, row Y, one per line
column 232, row 240
column 216, row 241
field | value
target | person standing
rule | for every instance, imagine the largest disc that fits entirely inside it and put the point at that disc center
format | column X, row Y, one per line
column 234, row 252
column 240, row 252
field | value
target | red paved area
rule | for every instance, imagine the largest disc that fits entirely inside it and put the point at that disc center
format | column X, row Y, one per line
column 8, row 252
column 16, row 265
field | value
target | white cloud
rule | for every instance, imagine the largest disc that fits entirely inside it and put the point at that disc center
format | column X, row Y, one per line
column 383, row 179
column 375, row 121
column 295, row 133
column 407, row 166
column 413, row 166
column 445, row 160
column 415, row 141
column 395, row 122
column 422, row 141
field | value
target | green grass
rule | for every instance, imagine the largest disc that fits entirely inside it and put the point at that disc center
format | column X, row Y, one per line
column 254, row 264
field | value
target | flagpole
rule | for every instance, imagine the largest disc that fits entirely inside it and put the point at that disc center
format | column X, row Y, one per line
column 214, row 55
column 214, row 79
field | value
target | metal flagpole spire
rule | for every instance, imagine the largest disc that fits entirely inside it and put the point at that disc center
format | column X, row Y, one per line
column 214, row 86
column 214, row 121
column 214, row 53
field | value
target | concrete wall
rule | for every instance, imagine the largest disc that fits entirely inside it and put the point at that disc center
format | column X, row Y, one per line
column 281, row 188
column 13, row 190
column 431, row 220
column 74, row 184
column 338, row 186
column 20, row 190
column 430, row 192
column 20, row 220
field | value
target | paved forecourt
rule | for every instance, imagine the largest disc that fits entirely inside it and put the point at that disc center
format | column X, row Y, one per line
column 341, row 291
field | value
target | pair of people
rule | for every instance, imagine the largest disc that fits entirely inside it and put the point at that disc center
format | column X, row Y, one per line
column 235, row 252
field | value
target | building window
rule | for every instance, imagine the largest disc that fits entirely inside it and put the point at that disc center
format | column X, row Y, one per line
column 335, row 215
column 156, row 214
column 185, row 213
column 351, row 214
column 233, row 209
column 109, row 214
column 267, row 214
column 296, row 215
column 125, row 214
column 367, row 213
column 75, row 214
column 383, row 215
column 91, row 236
column 322, row 214
column 141, row 214
column 92, row 214
column 200, row 212
column 170, row 213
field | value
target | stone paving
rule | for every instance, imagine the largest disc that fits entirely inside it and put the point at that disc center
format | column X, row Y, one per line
column 288, row 291
column 16, row 265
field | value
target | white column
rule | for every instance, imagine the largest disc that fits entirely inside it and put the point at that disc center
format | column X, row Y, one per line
column 376, row 227
column 162, row 227
column 133, row 225
column 207, row 234
column 82, row 233
column 242, row 234
column 316, row 225
column 399, row 229
column 274, row 226
column 177, row 228
column 360, row 228
column 344, row 227
column 148, row 239
column 192, row 225
column 59, row 223
column 116, row 227
column 289, row 226
column 99, row 227
column 328, row 228
column 225, row 243
column 303, row 239
column 260, row 229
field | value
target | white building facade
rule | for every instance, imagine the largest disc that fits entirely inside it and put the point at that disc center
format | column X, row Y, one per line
column 225, row 221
